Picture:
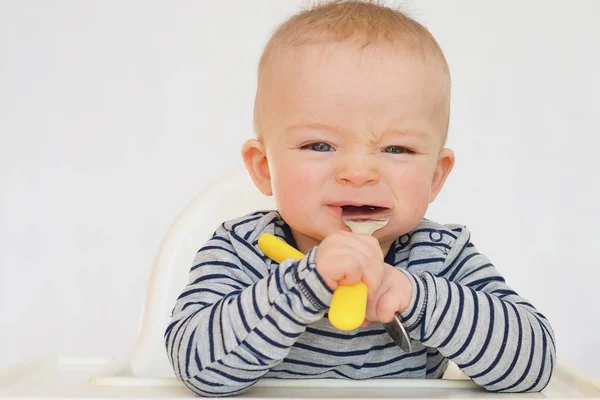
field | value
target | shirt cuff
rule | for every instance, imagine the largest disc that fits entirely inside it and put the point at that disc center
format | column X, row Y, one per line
column 304, row 279
column 413, row 317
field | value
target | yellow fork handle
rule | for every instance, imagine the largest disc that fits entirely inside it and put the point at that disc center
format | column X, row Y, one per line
column 349, row 302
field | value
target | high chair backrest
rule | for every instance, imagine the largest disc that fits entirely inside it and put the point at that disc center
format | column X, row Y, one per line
column 227, row 198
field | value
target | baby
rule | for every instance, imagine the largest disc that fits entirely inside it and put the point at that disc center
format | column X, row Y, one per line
column 351, row 113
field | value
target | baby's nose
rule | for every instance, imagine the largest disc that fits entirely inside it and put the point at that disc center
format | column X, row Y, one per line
column 357, row 171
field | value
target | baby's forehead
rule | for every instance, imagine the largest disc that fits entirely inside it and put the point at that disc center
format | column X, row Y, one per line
column 308, row 46
column 378, row 72
column 389, row 59
column 352, row 85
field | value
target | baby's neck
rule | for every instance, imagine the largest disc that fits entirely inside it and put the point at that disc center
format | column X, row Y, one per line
column 304, row 243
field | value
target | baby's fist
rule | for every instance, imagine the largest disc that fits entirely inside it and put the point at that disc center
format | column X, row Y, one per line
column 346, row 258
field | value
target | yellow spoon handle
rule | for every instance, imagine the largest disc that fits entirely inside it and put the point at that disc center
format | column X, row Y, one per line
column 349, row 302
column 276, row 249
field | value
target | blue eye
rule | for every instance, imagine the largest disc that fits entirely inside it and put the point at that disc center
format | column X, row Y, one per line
column 398, row 150
column 317, row 146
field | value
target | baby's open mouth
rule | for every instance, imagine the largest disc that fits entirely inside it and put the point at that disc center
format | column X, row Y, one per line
column 365, row 212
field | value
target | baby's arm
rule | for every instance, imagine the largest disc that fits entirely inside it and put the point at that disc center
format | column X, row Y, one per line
column 473, row 318
column 230, row 327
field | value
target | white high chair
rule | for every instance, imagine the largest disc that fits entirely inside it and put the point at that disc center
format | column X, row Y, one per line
column 232, row 196
column 146, row 371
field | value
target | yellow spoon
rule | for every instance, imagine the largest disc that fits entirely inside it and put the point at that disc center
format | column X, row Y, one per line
column 344, row 314
column 349, row 302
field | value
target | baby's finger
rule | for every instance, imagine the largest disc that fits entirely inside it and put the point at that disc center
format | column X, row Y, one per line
column 364, row 244
column 386, row 306
column 373, row 273
column 368, row 245
column 349, row 270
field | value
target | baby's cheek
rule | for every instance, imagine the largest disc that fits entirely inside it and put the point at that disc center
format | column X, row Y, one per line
column 291, row 199
column 414, row 201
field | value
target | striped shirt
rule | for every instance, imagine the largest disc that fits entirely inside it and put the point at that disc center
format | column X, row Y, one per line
column 243, row 317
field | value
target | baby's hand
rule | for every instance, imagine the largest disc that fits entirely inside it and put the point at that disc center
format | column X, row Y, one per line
column 346, row 258
column 391, row 297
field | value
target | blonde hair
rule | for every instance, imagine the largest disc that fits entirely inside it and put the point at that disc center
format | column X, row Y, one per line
column 335, row 21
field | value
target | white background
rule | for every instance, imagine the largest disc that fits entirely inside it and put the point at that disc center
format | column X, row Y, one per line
column 114, row 114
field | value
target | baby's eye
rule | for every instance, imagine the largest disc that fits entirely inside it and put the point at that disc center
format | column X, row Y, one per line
column 398, row 150
column 317, row 146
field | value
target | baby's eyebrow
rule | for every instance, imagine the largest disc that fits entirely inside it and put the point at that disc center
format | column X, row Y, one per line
column 374, row 136
column 313, row 126
column 398, row 132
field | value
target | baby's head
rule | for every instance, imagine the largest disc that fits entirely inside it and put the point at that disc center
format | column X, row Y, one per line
column 352, row 108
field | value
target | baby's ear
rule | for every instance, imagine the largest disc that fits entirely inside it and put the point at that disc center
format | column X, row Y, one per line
column 442, row 170
column 255, row 158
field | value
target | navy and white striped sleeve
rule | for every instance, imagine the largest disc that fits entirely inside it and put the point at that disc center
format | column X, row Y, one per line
column 469, row 313
column 230, row 327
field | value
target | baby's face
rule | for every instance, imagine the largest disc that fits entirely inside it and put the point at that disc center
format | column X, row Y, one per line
column 349, row 127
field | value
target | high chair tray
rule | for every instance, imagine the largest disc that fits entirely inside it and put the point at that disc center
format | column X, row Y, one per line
column 87, row 378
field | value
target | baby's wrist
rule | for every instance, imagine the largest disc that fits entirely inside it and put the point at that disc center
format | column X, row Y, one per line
column 403, row 285
column 330, row 283
column 309, row 283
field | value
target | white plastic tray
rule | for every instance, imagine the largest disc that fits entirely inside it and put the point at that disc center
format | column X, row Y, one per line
column 83, row 379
